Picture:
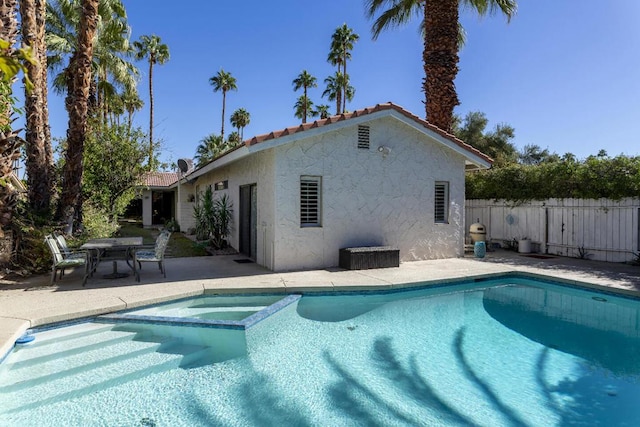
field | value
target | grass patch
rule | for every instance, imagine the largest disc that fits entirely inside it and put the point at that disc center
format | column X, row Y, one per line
column 179, row 245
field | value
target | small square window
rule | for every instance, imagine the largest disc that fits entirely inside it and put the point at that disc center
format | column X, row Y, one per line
column 222, row 185
column 441, row 202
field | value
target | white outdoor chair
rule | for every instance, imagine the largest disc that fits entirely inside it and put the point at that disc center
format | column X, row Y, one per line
column 154, row 255
column 68, row 259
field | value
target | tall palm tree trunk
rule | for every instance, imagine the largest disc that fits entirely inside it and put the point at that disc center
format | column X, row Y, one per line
column 224, row 102
column 10, row 143
column 440, row 61
column 41, row 13
column 37, row 166
column 77, row 106
column 304, row 107
column 346, row 80
column 150, row 165
column 8, row 32
column 129, row 121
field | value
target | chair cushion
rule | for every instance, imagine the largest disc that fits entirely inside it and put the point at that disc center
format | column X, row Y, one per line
column 146, row 256
column 71, row 262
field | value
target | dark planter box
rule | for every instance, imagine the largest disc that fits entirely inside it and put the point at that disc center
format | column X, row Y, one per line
column 369, row 257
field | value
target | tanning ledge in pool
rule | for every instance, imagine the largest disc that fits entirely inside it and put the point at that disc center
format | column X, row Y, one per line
column 243, row 324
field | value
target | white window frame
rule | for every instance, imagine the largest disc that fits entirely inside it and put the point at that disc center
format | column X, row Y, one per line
column 441, row 202
column 310, row 203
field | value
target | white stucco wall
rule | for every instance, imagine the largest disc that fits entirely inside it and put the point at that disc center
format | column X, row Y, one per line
column 256, row 169
column 367, row 198
column 147, row 208
column 184, row 207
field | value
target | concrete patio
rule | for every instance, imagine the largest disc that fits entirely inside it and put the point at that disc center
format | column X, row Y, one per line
column 32, row 302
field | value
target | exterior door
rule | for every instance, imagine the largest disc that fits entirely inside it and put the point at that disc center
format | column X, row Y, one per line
column 248, row 220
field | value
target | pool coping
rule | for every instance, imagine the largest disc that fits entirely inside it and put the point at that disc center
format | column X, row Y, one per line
column 378, row 284
column 33, row 302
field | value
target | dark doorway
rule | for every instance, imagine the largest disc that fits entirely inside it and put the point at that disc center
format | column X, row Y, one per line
column 248, row 220
column 162, row 206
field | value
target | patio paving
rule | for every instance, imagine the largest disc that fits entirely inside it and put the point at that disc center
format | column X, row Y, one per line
column 33, row 301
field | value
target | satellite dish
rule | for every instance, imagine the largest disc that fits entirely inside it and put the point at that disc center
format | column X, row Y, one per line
column 183, row 165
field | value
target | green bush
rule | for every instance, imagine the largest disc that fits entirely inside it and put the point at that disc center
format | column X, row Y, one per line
column 97, row 223
column 213, row 218
column 594, row 178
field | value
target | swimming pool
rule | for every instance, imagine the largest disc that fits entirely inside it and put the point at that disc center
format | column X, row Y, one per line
column 511, row 351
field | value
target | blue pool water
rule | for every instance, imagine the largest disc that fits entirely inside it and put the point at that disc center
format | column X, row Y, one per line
column 515, row 352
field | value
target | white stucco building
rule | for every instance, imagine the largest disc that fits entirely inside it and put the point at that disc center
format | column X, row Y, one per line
column 377, row 176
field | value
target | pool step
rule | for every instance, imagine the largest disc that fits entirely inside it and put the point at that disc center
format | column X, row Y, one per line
column 208, row 312
column 193, row 355
column 64, row 334
column 21, row 375
column 101, row 374
column 54, row 349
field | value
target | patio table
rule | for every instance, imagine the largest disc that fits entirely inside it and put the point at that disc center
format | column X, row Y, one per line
column 114, row 249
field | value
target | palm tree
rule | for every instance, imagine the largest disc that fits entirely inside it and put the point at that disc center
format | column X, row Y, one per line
column 131, row 103
column 37, row 163
column 305, row 81
column 111, row 69
column 322, row 111
column 333, row 92
column 303, row 105
column 224, row 82
column 210, row 147
column 156, row 52
column 240, row 119
column 342, row 42
column 77, row 106
column 336, row 86
column 441, row 42
column 233, row 139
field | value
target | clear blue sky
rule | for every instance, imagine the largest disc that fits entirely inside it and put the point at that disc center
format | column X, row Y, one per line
column 563, row 73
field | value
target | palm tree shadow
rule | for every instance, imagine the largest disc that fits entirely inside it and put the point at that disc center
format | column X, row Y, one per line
column 491, row 395
column 259, row 403
column 590, row 398
column 350, row 393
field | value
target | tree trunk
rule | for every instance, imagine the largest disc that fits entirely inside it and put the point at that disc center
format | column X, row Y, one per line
column 346, row 80
column 150, row 165
column 9, row 141
column 8, row 32
column 304, row 107
column 41, row 13
column 77, row 106
column 37, row 167
column 224, row 101
column 440, row 61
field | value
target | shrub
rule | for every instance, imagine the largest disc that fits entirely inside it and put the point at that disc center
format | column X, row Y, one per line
column 213, row 218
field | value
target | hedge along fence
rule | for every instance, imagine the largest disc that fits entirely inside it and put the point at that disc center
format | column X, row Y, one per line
column 593, row 178
column 602, row 229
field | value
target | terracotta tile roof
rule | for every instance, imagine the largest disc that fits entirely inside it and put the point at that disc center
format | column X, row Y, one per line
column 159, row 179
column 358, row 113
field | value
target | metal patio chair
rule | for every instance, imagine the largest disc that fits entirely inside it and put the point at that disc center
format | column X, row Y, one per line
column 67, row 259
column 154, row 255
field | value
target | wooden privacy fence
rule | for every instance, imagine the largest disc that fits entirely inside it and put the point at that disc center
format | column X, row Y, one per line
column 605, row 230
